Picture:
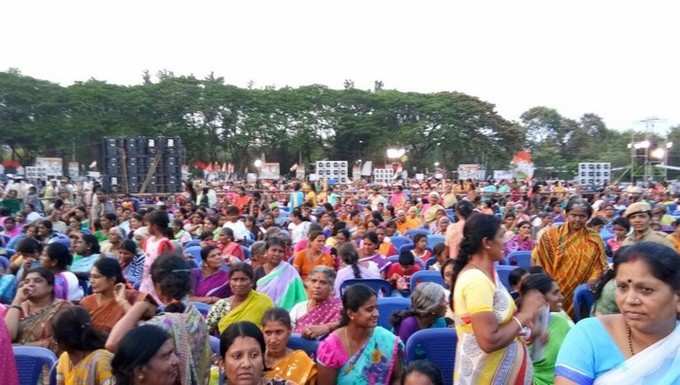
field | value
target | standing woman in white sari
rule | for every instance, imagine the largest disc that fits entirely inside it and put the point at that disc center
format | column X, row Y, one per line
column 642, row 344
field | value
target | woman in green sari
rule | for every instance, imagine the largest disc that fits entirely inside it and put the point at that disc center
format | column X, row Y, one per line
column 245, row 304
column 360, row 352
column 282, row 283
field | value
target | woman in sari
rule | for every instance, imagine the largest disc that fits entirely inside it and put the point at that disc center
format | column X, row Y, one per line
column 229, row 249
column 641, row 345
column 110, row 298
column 84, row 360
column 283, row 363
column 320, row 314
column 209, row 282
column 34, row 306
column 571, row 253
column 359, row 352
column 245, row 304
column 314, row 255
column 521, row 241
column 488, row 325
column 282, row 283
column 170, row 276
column 8, row 366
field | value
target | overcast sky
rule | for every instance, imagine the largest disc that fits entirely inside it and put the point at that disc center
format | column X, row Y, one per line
column 618, row 59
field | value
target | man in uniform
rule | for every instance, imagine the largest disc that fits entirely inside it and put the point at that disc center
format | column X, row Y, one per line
column 640, row 216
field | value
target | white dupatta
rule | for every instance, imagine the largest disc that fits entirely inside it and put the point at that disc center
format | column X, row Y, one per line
column 659, row 364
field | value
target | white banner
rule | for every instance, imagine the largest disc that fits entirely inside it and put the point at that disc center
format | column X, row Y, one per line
column 470, row 171
column 53, row 166
column 270, row 171
column 499, row 175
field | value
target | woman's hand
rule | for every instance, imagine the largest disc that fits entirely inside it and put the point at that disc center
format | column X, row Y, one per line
column 119, row 293
column 22, row 295
column 532, row 302
column 315, row 331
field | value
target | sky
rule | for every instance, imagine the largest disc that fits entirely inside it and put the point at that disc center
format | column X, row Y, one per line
column 618, row 59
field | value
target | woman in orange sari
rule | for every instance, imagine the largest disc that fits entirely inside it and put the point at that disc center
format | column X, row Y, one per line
column 571, row 253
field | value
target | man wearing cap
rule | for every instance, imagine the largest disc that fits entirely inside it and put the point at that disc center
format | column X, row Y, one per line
column 640, row 216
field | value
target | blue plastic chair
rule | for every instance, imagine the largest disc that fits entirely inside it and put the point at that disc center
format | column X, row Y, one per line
column 520, row 258
column 214, row 344
column 398, row 242
column 297, row 342
column 503, row 272
column 30, row 361
column 195, row 252
column 430, row 262
column 202, row 308
column 412, row 233
column 388, row 306
column 434, row 240
column 4, row 263
column 451, row 213
column 193, row 242
column 437, row 345
column 378, row 285
column 246, row 252
column 425, row 276
column 14, row 241
column 584, row 299
column 406, row 247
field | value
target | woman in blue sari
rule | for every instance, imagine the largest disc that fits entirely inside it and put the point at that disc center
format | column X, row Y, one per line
column 641, row 345
column 359, row 352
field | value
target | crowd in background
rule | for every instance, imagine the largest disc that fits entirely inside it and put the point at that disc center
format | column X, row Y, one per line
column 134, row 289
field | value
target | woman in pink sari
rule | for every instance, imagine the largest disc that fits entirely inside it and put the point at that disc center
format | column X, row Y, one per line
column 319, row 315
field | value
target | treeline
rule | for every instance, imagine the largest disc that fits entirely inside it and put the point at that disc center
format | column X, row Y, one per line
column 221, row 122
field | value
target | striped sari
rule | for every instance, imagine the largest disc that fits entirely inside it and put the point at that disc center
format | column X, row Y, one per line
column 283, row 285
column 571, row 258
column 476, row 293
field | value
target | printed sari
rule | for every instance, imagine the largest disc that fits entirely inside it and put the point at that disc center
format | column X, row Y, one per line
column 190, row 335
column 373, row 364
column 252, row 309
column 213, row 285
column 295, row 367
column 322, row 314
column 571, row 258
column 94, row 369
column 36, row 329
column 283, row 285
column 476, row 293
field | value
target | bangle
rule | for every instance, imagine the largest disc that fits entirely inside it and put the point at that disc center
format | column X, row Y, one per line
column 16, row 307
column 523, row 330
column 519, row 323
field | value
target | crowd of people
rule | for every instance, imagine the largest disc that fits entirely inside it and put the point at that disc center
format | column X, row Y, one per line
column 209, row 285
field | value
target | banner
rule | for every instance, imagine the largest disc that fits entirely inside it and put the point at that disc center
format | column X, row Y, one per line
column 524, row 166
column 470, row 171
column 53, row 166
column 499, row 175
column 270, row 171
column 73, row 169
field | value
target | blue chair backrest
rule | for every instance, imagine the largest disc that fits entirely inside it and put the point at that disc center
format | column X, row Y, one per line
column 30, row 361
column 503, row 272
column 378, row 285
column 195, row 252
column 520, row 258
column 193, row 242
column 434, row 240
column 412, row 233
column 202, row 308
column 4, row 263
column 14, row 241
column 388, row 306
column 425, row 276
column 583, row 301
column 437, row 345
column 398, row 242
column 406, row 247
column 297, row 342
column 430, row 262
column 214, row 344
column 246, row 252
column 451, row 213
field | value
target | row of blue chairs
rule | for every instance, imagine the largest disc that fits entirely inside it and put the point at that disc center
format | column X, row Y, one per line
column 384, row 287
